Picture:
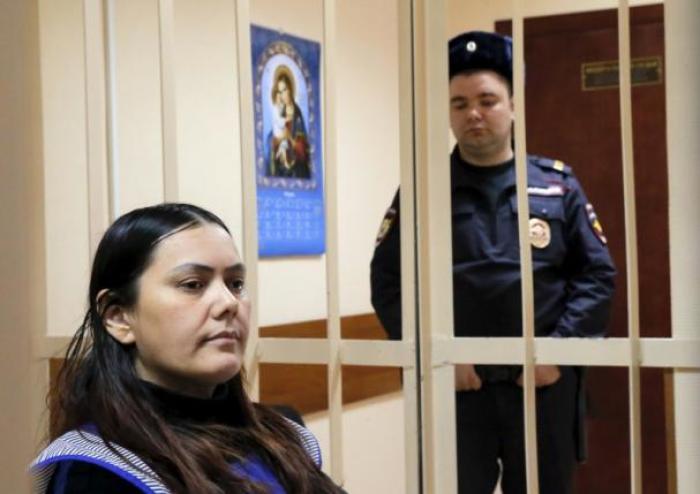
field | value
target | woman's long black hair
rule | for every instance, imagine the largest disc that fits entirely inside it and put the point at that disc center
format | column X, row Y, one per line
column 98, row 383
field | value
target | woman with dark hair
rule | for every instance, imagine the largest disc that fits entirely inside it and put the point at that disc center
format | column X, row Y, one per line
column 151, row 395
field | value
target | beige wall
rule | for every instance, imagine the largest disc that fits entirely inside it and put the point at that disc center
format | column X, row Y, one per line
column 373, row 444
column 208, row 143
column 367, row 142
column 65, row 162
column 138, row 179
column 208, row 131
column 21, row 240
column 682, row 81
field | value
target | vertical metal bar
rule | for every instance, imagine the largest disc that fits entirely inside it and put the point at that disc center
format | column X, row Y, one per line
column 96, row 121
column 527, row 288
column 412, row 431
column 250, row 210
column 411, row 389
column 335, row 370
column 623, row 26
column 682, row 39
column 166, row 23
column 434, row 234
column 112, row 129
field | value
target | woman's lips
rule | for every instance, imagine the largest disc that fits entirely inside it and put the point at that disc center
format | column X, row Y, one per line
column 223, row 336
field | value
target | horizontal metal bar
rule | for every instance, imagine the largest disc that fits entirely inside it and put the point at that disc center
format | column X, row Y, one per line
column 655, row 352
column 479, row 351
column 583, row 351
column 293, row 350
column 377, row 353
column 670, row 352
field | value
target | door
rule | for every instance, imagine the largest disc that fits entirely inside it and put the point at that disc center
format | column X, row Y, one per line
column 580, row 124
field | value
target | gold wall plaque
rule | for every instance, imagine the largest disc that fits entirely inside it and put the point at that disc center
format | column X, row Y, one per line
column 605, row 75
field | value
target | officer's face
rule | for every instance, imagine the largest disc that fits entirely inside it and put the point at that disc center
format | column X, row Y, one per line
column 481, row 117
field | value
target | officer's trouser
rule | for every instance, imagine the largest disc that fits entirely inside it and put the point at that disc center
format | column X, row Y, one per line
column 490, row 427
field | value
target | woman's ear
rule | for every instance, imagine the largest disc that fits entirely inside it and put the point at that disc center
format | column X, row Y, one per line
column 115, row 319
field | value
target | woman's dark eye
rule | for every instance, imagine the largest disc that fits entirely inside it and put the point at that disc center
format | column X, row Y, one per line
column 237, row 286
column 192, row 285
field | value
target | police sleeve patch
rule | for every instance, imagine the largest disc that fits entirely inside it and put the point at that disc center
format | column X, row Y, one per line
column 384, row 228
column 595, row 224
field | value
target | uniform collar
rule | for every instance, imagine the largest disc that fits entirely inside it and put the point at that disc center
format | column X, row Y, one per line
column 462, row 172
column 536, row 177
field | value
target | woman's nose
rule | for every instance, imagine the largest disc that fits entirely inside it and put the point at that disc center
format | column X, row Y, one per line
column 226, row 301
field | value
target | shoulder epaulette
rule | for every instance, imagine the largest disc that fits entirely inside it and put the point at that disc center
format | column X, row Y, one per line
column 309, row 441
column 550, row 164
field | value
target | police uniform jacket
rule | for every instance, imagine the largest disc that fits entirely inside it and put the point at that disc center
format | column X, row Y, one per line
column 573, row 271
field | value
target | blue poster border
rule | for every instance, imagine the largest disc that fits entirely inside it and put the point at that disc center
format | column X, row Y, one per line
column 291, row 219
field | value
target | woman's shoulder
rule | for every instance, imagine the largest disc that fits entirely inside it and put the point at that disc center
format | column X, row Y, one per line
column 84, row 447
column 308, row 440
column 293, row 420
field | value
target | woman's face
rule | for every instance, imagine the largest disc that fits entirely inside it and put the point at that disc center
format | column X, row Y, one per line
column 284, row 92
column 190, row 322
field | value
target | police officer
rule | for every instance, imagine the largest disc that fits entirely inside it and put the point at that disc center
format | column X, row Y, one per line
column 573, row 277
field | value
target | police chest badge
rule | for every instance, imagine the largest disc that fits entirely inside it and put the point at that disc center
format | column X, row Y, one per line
column 384, row 228
column 540, row 233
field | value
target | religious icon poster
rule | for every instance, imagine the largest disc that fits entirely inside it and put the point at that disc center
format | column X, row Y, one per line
column 288, row 157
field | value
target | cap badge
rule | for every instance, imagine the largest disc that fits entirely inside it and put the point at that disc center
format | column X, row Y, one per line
column 471, row 46
column 540, row 234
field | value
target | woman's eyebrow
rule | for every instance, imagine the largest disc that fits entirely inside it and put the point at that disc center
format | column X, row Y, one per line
column 239, row 267
column 192, row 267
column 203, row 268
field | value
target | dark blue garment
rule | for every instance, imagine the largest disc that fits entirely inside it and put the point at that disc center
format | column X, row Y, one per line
column 573, row 273
column 80, row 463
column 260, row 473
column 490, row 426
column 573, row 285
column 79, row 476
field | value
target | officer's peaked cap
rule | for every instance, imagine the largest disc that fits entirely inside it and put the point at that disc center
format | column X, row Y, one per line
column 476, row 50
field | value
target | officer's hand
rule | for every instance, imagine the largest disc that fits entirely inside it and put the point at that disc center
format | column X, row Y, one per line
column 466, row 378
column 545, row 375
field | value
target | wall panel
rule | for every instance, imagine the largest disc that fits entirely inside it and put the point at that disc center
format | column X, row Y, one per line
column 65, row 163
